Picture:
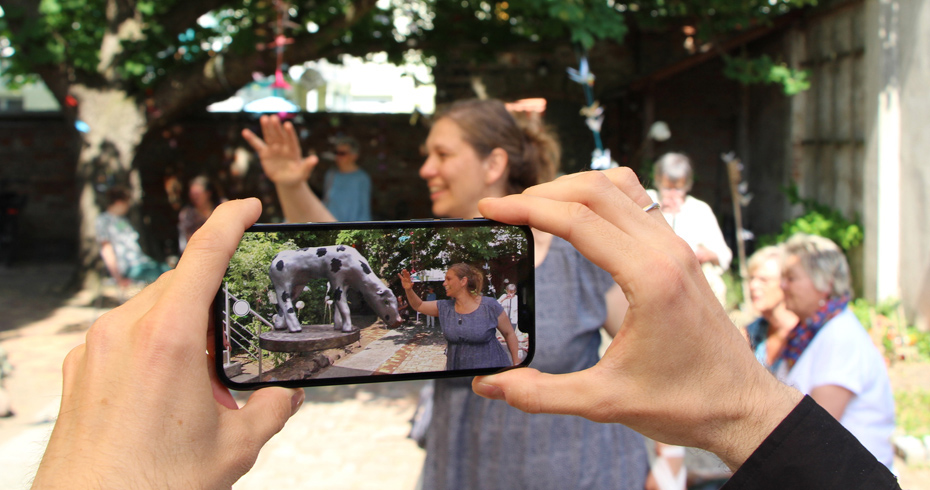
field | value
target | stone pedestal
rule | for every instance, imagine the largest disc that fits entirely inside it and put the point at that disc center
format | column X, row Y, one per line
column 310, row 338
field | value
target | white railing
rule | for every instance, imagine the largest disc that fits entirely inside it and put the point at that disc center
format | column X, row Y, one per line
column 249, row 341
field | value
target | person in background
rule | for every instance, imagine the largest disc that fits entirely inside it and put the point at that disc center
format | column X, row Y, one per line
column 347, row 188
column 119, row 243
column 204, row 198
column 768, row 334
column 509, row 301
column 829, row 355
column 692, row 219
column 430, row 296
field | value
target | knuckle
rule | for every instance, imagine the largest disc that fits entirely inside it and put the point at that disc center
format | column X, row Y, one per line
column 579, row 214
column 73, row 358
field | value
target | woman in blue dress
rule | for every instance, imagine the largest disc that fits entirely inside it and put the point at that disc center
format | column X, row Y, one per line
column 468, row 320
column 477, row 149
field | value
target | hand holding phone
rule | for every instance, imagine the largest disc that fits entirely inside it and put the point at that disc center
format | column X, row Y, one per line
column 140, row 403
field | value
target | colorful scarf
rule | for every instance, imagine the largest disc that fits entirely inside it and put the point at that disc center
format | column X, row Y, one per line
column 801, row 336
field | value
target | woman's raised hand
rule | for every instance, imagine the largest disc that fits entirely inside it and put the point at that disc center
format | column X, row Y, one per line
column 405, row 281
column 280, row 152
column 678, row 371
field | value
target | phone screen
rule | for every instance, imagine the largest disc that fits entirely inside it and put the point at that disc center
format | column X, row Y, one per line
column 325, row 303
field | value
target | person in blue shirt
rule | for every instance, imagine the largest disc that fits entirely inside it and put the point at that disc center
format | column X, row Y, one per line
column 347, row 188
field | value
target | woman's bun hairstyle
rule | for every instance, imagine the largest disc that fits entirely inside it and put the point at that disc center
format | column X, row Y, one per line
column 533, row 153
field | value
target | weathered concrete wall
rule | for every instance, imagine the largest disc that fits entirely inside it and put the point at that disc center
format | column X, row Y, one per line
column 914, row 38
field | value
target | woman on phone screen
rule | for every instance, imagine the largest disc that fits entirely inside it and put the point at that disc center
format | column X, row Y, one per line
column 468, row 320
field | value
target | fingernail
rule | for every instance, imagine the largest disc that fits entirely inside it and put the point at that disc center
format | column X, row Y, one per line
column 297, row 399
column 489, row 391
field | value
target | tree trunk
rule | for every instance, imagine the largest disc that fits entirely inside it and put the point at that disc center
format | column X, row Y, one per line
column 116, row 124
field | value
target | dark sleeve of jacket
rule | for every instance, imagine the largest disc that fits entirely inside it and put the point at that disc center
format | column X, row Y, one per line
column 810, row 449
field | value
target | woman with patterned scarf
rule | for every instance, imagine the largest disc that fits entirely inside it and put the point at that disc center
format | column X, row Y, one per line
column 829, row 355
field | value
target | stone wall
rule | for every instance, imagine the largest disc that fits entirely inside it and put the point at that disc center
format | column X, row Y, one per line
column 38, row 156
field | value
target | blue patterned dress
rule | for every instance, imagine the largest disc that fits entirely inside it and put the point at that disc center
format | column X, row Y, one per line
column 476, row 443
column 472, row 342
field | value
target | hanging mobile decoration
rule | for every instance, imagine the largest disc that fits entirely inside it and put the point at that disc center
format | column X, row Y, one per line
column 280, row 40
column 594, row 115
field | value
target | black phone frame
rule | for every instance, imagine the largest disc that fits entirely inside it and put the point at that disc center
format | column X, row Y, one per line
column 525, row 291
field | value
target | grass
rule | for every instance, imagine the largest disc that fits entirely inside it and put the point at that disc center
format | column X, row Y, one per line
column 912, row 413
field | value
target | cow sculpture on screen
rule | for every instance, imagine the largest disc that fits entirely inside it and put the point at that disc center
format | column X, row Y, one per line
column 345, row 268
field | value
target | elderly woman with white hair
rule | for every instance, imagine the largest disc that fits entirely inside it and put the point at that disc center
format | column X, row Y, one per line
column 692, row 219
column 829, row 355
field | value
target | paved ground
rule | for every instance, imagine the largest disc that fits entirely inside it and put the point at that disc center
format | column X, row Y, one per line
column 344, row 437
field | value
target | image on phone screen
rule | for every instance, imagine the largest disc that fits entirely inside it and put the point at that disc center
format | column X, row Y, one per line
column 334, row 303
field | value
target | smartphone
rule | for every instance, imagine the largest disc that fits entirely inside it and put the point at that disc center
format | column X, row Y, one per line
column 324, row 304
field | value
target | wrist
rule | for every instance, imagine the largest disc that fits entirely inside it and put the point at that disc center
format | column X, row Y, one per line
column 293, row 186
column 757, row 414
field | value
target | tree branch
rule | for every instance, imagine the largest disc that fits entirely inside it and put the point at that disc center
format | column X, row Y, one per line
column 185, row 14
column 222, row 75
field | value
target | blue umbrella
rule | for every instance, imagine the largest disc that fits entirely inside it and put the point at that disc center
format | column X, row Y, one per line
column 271, row 105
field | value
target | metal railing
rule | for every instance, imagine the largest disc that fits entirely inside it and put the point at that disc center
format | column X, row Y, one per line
column 249, row 342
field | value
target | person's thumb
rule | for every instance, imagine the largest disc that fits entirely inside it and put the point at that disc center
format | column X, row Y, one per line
column 311, row 161
column 534, row 392
column 268, row 410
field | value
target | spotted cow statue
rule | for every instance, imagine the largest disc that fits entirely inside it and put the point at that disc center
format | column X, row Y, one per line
column 345, row 268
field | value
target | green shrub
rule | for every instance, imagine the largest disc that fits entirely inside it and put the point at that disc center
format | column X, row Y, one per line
column 818, row 219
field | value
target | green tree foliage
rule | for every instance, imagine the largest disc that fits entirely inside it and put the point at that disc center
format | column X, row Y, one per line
column 818, row 219
column 144, row 44
column 765, row 70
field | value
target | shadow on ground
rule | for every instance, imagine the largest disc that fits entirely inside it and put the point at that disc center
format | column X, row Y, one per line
column 30, row 292
column 367, row 392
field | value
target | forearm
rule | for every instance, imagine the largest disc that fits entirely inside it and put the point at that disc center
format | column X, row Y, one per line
column 109, row 260
column 300, row 204
column 513, row 345
column 414, row 300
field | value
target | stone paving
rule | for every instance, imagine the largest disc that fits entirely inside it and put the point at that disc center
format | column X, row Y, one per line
column 344, row 437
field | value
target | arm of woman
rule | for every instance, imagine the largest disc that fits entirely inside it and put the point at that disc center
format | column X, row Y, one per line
column 834, row 399
column 426, row 307
column 282, row 162
column 108, row 254
column 506, row 329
